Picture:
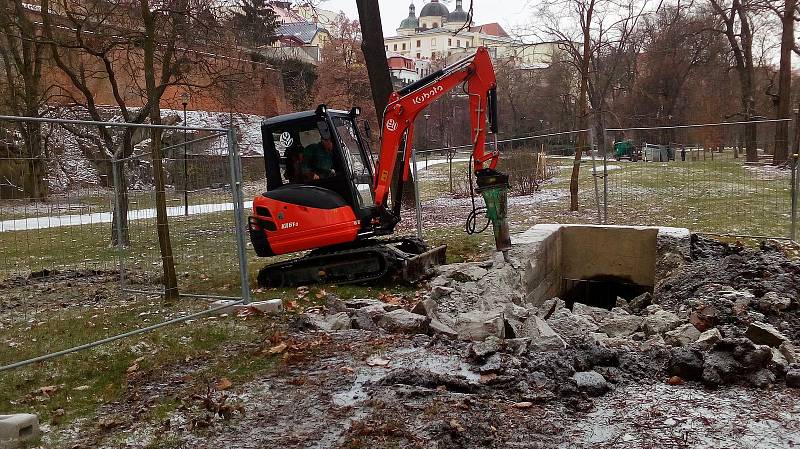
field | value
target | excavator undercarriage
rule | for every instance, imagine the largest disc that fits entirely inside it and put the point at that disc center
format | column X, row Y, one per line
column 371, row 260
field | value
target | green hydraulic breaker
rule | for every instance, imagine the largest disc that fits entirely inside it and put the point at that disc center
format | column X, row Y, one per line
column 493, row 185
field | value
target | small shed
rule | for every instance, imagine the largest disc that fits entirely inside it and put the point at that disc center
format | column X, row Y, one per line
column 656, row 153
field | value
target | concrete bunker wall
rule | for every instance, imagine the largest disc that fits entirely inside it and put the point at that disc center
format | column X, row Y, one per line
column 556, row 255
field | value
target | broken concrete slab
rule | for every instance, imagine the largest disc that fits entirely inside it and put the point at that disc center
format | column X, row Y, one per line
column 686, row 363
column 640, row 302
column 403, row 321
column 567, row 324
column 620, row 325
column 438, row 327
column 708, row 338
column 367, row 302
column 486, row 347
column 765, row 334
column 773, row 302
column 793, row 378
column 789, row 351
column 426, row 307
column 339, row 321
column 549, row 307
column 682, row 335
column 362, row 320
column 659, row 322
column 596, row 313
column 468, row 272
column 269, row 306
column 477, row 325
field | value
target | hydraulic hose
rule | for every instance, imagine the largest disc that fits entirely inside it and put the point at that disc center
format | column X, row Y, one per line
column 472, row 219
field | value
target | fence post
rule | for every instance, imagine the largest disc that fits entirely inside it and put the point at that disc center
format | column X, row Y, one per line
column 605, row 166
column 591, row 133
column 793, row 228
column 238, row 211
column 417, row 204
column 118, row 223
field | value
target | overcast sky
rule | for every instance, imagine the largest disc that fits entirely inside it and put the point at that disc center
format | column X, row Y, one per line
column 508, row 13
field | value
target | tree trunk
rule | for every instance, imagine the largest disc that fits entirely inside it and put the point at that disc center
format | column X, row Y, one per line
column 784, row 83
column 583, row 114
column 164, row 242
column 750, row 133
column 369, row 16
column 121, row 192
column 34, row 183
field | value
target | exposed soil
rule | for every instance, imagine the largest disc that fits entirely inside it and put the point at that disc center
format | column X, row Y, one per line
column 428, row 395
column 715, row 265
column 371, row 388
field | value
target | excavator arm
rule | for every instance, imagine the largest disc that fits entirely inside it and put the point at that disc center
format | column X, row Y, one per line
column 476, row 73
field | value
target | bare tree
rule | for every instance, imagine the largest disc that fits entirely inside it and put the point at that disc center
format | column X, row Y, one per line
column 590, row 28
column 787, row 15
column 736, row 24
column 171, row 44
column 22, row 51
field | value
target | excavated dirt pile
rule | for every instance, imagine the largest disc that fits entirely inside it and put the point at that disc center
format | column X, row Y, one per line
column 721, row 315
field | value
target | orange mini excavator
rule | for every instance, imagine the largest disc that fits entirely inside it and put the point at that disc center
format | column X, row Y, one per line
column 325, row 194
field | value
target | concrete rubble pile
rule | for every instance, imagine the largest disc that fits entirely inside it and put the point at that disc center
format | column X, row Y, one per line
column 716, row 335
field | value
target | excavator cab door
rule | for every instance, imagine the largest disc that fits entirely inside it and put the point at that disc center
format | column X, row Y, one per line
column 357, row 161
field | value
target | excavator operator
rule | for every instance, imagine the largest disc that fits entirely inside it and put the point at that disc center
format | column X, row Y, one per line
column 318, row 157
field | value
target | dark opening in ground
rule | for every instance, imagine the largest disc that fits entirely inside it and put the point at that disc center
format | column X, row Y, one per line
column 601, row 291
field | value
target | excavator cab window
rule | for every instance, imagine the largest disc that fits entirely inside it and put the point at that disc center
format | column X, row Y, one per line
column 305, row 151
column 357, row 161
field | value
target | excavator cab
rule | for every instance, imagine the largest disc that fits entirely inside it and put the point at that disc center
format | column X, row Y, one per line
column 321, row 148
column 319, row 182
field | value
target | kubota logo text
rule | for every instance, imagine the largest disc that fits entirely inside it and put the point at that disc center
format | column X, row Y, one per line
column 427, row 95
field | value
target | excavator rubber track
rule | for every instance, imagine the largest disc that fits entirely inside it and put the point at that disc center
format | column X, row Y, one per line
column 359, row 262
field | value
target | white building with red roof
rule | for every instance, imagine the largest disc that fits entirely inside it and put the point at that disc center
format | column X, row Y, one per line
column 439, row 34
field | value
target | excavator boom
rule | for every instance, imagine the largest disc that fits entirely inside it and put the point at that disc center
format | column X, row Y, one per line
column 476, row 73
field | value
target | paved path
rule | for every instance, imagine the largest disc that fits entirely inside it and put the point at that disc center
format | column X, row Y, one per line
column 57, row 221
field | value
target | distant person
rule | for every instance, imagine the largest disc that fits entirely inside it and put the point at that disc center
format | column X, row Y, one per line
column 318, row 160
column 683, row 153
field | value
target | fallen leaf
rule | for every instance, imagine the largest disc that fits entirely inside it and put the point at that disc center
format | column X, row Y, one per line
column 456, row 425
column 81, row 388
column 248, row 312
column 675, row 380
column 47, row 391
column 277, row 349
column 377, row 361
column 223, row 384
column 347, row 369
column 133, row 368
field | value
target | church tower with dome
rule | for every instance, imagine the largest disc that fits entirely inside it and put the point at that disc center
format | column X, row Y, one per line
column 439, row 35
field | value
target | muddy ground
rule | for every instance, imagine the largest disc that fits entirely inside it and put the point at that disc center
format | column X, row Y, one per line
column 333, row 383
column 428, row 395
